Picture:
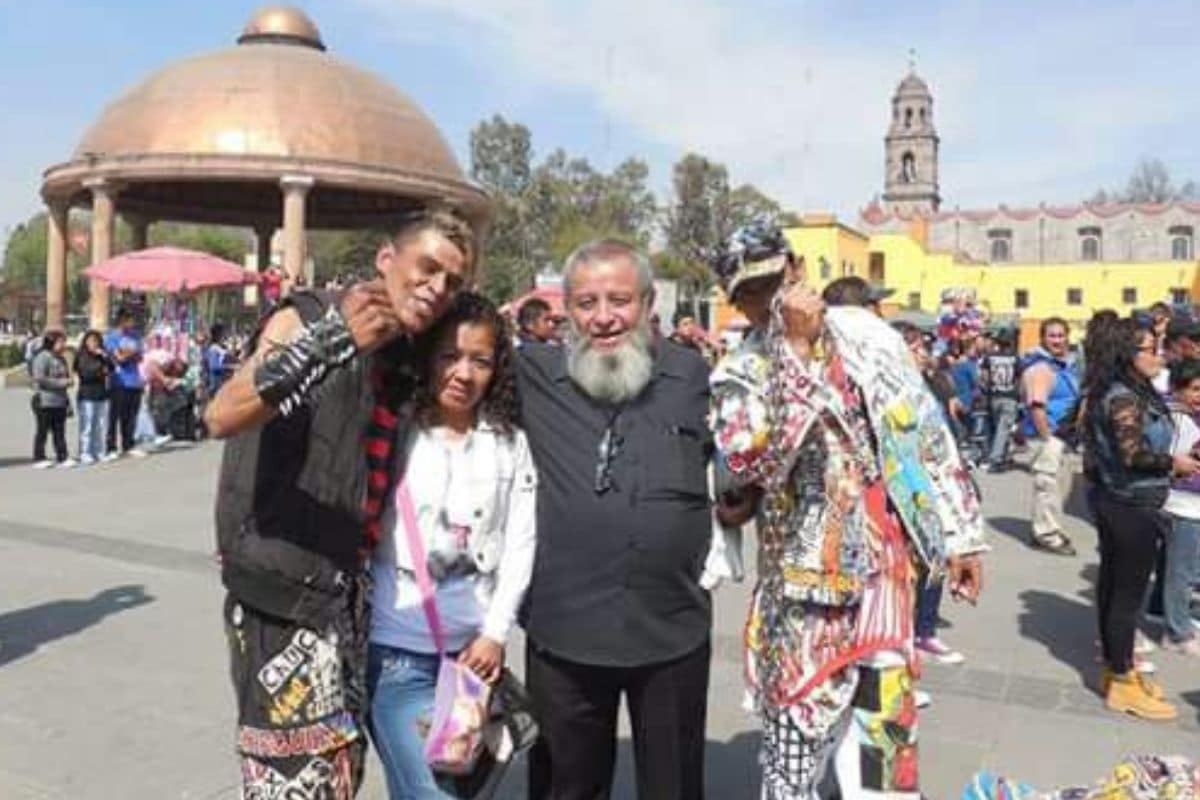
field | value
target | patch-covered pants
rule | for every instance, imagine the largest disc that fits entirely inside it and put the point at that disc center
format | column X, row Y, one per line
column 870, row 752
column 300, row 696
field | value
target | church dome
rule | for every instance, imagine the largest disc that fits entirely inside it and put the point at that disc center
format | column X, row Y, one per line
column 913, row 84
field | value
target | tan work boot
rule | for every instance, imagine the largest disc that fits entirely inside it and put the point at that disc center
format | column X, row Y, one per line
column 1132, row 693
column 1153, row 687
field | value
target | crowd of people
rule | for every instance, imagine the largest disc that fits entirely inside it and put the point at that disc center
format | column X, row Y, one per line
column 408, row 477
column 133, row 394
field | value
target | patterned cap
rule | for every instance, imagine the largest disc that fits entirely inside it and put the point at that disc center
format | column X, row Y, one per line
column 752, row 251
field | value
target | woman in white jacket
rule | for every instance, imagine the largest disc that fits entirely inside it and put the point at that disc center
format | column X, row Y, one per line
column 473, row 484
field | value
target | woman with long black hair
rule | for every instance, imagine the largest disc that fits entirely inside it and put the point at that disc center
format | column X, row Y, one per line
column 50, row 381
column 1128, row 432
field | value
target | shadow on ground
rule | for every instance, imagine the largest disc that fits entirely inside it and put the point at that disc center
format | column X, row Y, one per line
column 1067, row 628
column 25, row 630
column 15, row 461
column 1192, row 698
column 730, row 770
column 1012, row 527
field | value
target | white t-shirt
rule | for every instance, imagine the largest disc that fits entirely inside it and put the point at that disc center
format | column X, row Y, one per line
column 1182, row 503
column 443, row 470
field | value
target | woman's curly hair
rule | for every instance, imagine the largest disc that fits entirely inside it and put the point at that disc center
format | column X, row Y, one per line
column 499, row 404
column 1111, row 347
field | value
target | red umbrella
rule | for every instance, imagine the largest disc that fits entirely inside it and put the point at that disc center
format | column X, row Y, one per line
column 169, row 269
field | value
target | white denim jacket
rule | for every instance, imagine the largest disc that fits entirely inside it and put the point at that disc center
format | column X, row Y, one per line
column 486, row 485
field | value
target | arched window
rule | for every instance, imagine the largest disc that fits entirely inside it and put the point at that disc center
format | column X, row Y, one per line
column 1089, row 244
column 922, row 116
column 1000, row 240
column 908, row 117
column 826, row 271
column 1001, row 250
column 908, row 168
column 1181, row 243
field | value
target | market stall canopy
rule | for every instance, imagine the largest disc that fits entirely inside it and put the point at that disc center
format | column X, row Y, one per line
column 169, row 269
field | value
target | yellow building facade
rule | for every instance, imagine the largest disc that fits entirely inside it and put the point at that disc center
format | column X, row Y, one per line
column 1028, row 292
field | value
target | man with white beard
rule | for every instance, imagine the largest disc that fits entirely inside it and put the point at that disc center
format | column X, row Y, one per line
column 616, row 422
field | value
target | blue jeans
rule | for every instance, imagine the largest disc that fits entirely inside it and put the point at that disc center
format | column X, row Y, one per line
column 929, row 602
column 93, row 424
column 1004, row 416
column 400, row 685
column 1182, row 545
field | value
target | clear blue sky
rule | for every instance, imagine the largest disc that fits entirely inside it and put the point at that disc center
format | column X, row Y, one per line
column 1034, row 100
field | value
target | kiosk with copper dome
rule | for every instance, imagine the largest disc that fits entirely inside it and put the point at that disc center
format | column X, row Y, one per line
column 273, row 132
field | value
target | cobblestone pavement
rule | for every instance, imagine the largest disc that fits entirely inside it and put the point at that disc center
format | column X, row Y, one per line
column 113, row 681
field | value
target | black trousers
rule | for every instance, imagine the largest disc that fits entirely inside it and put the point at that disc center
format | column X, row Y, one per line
column 1129, row 537
column 122, row 413
column 576, row 707
column 52, row 421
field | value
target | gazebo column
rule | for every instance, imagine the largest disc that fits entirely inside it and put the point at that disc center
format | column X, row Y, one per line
column 56, row 263
column 139, row 231
column 262, row 243
column 295, row 193
column 104, row 195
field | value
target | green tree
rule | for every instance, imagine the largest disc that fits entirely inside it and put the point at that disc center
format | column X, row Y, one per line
column 25, row 259
column 222, row 241
column 697, row 217
column 543, row 211
column 501, row 153
column 25, row 254
column 344, row 253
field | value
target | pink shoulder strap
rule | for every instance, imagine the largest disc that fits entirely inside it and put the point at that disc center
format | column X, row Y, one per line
column 416, row 550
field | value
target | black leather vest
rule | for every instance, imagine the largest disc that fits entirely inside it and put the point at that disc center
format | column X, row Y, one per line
column 289, row 512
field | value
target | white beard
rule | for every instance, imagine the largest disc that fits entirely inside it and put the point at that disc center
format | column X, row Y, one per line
column 611, row 378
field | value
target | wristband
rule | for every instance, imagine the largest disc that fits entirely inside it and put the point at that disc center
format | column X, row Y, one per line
column 289, row 372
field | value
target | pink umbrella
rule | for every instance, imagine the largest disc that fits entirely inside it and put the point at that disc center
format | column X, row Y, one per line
column 169, row 269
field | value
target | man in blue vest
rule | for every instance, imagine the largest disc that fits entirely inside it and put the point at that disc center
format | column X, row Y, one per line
column 1051, row 398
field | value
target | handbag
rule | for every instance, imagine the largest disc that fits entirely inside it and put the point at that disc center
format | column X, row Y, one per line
column 476, row 729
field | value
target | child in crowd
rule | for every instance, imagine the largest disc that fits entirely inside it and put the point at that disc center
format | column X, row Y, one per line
column 1183, row 506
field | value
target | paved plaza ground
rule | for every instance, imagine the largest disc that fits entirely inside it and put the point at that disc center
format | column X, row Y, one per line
column 113, row 678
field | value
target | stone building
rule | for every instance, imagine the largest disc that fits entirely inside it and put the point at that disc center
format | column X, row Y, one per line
column 1087, row 232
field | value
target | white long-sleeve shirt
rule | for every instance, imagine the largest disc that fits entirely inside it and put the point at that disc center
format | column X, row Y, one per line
column 474, row 499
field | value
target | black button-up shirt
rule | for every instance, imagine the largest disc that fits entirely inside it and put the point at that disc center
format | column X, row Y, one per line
column 616, row 579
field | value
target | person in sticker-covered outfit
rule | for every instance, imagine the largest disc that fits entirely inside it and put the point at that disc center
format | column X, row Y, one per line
column 824, row 427
column 311, row 417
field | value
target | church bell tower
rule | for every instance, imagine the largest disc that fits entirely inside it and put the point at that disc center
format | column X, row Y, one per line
column 911, row 151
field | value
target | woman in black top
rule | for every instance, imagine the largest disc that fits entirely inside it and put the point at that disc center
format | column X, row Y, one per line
column 93, row 366
column 1128, row 434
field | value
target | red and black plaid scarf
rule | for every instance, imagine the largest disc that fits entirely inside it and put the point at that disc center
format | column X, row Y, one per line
column 379, row 443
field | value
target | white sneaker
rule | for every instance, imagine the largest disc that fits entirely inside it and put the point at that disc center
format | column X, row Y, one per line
column 1188, row 647
column 86, row 460
column 45, row 463
column 136, row 452
column 921, row 699
column 111, row 455
column 67, row 463
column 162, row 440
column 1142, row 644
column 939, row 651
